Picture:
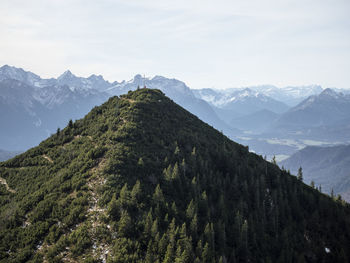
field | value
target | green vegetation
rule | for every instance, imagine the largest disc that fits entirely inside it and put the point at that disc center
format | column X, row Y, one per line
column 140, row 179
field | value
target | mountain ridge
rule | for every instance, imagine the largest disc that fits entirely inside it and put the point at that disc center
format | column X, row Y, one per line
column 141, row 179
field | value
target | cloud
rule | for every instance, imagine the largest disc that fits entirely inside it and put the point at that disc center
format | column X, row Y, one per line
column 205, row 43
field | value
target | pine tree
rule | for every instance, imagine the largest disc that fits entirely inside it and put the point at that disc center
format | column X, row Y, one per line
column 177, row 150
column 194, row 227
column 124, row 197
column 312, row 184
column 154, row 229
column 190, row 211
column 149, row 253
column 175, row 174
column 148, row 223
column 163, row 243
column 70, row 124
column 206, row 255
column 124, row 224
column 274, row 160
column 300, row 174
column 168, row 173
column 113, row 209
column 169, row 255
column 136, row 193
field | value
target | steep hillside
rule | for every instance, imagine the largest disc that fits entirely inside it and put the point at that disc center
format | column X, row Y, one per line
column 140, row 179
column 326, row 166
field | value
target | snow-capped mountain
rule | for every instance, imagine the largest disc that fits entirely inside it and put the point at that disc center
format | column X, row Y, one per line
column 29, row 114
column 74, row 82
column 29, row 78
column 249, row 101
column 31, row 108
column 290, row 95
column 67, row 78
column 324, row 109
column 242, row 101
column 38, row 106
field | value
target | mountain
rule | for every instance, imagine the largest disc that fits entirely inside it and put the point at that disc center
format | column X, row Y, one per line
column 29, row 78
column 326, row 166
column 40, row 106
column 74, row 82
column 317, row 114
column 234, row 104
column 67, row 78
column 248, row 101
column 243, row 101
column 140, row 179
column 29, row 114
column 290, row 95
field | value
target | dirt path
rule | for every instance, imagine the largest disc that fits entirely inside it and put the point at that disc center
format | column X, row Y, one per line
column 47, row 158
column 130, row 100
column 3, row 181
column 99, row 248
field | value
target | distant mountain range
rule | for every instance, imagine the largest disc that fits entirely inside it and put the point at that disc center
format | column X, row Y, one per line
column 290, row 96
column 318, row 116
column 231, row 105
column 243, row 101
column 326, row 166
column 32, row 108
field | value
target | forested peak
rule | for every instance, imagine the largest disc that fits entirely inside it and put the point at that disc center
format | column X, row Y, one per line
column 140, row 179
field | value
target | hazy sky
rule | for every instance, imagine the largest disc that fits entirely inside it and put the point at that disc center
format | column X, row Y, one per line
column 204, row 43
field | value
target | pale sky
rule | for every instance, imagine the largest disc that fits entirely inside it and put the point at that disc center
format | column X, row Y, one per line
column 220, row 44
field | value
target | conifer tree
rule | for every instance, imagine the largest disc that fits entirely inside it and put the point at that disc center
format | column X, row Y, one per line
column 300, row 174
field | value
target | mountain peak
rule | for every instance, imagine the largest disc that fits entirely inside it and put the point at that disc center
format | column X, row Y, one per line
column 9, row 72
column 138, row 79
column 66, row 75
column 331, row 93
column 5, row 67
column 96, row 77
